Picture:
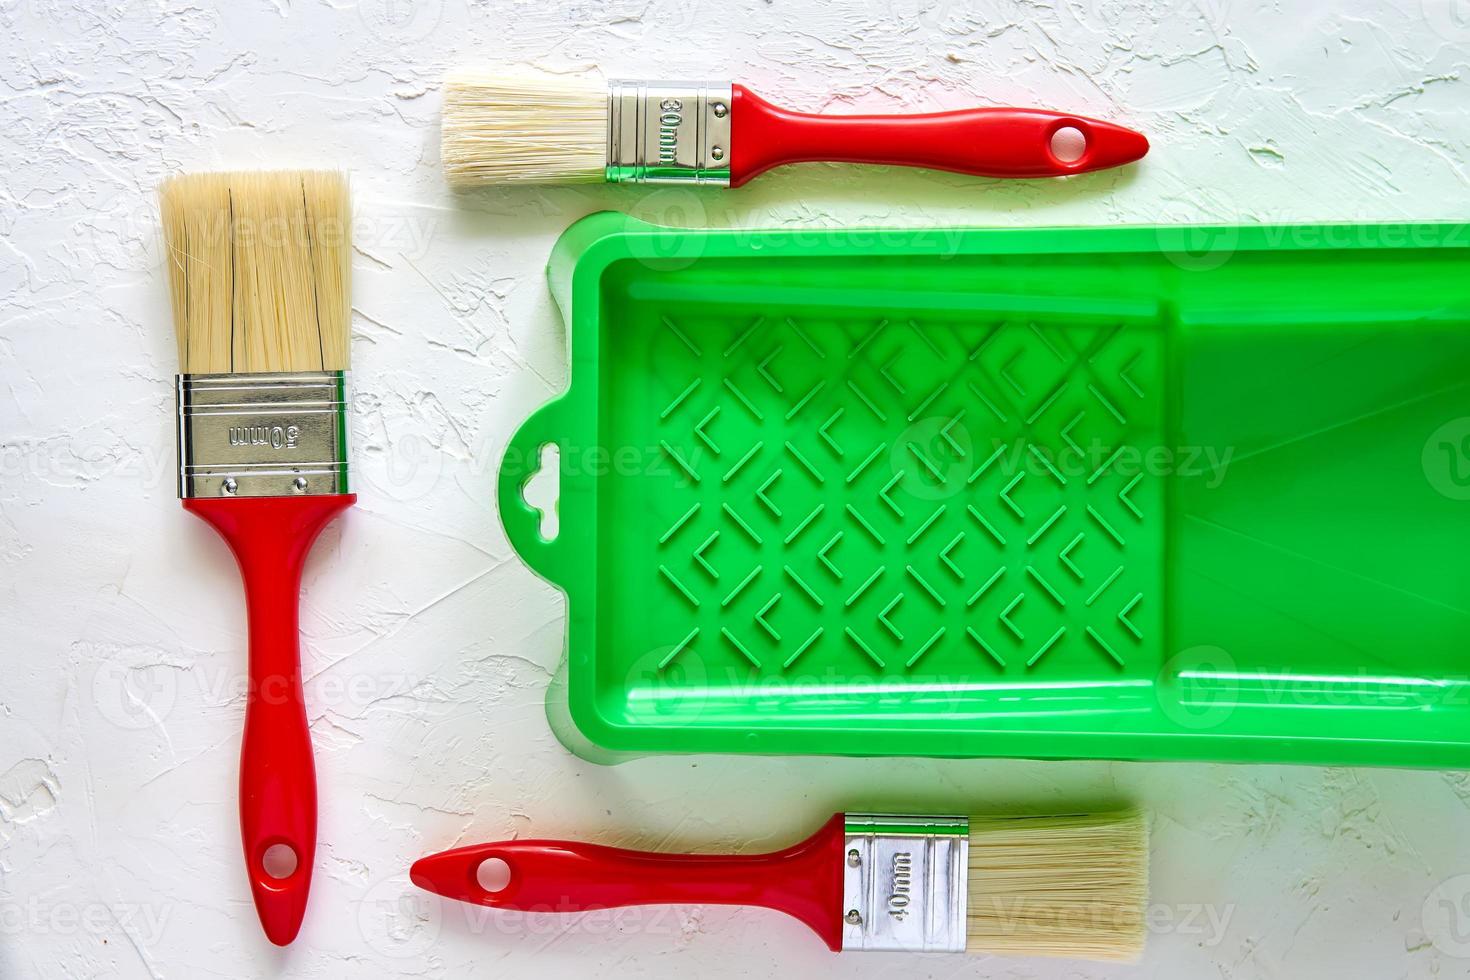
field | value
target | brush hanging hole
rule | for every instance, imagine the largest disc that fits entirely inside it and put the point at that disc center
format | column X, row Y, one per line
column 279, row 861
column 493, row 874
column 543, row 488
column 1068, row 144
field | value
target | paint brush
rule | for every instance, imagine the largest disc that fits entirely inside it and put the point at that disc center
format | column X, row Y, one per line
column 259, row 267
column 520, row 129
column 1022, row 886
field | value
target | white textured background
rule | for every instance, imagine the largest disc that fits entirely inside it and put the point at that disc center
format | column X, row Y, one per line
column 429, row 645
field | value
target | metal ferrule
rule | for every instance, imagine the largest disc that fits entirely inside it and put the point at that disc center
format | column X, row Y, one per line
column 669, row 132
column 262, row 435
column 905, row 883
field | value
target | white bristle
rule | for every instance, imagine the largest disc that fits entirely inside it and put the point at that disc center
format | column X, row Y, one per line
column 523, row 129
column 1058, row 886
column 260, row 267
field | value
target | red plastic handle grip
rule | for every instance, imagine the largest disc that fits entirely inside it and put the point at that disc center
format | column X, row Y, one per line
column 984, row 142
column 270, row 537
column 804, row 880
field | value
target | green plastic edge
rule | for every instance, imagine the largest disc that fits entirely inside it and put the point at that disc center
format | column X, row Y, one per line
column 904, row 825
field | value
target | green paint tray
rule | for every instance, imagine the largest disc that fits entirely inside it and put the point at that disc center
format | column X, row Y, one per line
column 1150, row 493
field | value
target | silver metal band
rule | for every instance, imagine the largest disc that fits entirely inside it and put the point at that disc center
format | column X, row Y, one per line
column 905, row 883
column 262, row 435
column 669, row 132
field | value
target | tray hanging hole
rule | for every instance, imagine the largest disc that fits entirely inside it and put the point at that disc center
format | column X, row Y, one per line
column 1068, row 144
column 543, row 488
column 493, row 874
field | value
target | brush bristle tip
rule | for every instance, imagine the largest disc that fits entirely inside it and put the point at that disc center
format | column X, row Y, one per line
column 259, row 267
column 1074, row 886
column 499, row 129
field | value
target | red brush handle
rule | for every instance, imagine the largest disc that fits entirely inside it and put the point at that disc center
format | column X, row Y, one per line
column 270, row 537
column 804, row 880
column 984, row 142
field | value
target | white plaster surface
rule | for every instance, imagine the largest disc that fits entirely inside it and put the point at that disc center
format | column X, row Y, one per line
column 429, row 645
